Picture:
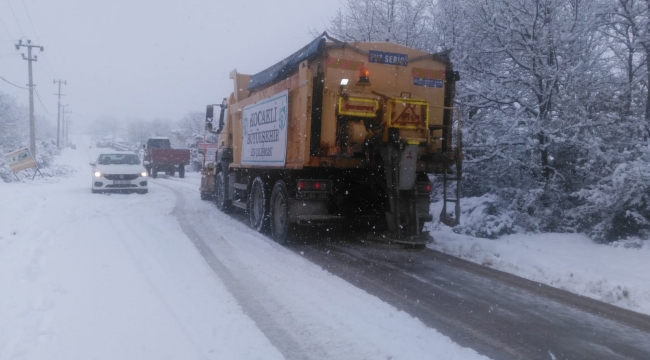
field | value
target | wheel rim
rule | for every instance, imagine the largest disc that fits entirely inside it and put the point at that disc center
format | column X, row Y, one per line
column 220, row 191
column 280, row 214
column 257, row 206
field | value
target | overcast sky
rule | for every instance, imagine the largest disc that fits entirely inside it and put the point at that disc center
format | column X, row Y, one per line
column 148, row 59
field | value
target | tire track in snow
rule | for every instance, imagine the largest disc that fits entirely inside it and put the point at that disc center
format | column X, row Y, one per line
column 259, row 307
column 117, row 226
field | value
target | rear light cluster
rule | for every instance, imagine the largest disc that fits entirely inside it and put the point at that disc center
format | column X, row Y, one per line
column 423, row 188
column 314, row 185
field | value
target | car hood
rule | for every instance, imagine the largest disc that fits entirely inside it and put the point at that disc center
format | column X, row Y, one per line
column 119, row 169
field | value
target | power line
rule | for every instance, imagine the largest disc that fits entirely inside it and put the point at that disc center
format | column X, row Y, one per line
column 50, row 68
column 6, row 29
column 10, row 83
column 39, row 100
column 15, row 18
column 30, row 20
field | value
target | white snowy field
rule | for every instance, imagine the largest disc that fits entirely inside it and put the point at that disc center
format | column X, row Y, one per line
column 617, row 273
column 117, row 277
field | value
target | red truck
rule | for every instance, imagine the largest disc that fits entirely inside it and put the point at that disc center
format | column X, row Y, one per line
column 159, row 156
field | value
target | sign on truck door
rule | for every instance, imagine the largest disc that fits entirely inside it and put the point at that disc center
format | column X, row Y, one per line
column 265, row 131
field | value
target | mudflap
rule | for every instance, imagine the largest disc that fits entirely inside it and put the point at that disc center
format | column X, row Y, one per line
column 392, row 238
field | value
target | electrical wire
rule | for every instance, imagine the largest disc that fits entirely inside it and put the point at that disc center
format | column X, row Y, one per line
column 15, row 18
column 6, row 29
column 39, row 100
column 30, row 20
column 10, row 83
column 49, row 67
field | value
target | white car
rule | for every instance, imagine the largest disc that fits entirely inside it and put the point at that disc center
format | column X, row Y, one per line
column 119, row 171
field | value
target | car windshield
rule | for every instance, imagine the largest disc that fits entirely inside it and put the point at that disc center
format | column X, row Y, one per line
column 159, row 144
column 118, row 159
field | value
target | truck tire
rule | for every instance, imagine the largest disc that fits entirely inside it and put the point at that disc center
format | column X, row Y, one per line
column 258, row 206
column 154, row 173
column 279, row 212
column 220, row 188
column 181, row 171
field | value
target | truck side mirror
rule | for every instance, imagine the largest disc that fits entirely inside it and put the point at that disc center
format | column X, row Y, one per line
column 209, row 115
column 144, row 146
column 224, row 106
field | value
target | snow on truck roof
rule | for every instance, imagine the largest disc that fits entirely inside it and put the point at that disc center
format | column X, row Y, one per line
column 289, row 65
column 158, row 138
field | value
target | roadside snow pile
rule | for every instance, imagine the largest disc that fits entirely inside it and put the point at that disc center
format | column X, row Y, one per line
column 483, row 217
column 618, row 273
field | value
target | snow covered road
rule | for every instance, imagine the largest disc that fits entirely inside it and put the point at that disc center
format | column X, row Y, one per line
column 166, row 276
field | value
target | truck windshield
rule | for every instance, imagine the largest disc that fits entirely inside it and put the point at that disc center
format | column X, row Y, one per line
column 118, row 159
column 158, row 144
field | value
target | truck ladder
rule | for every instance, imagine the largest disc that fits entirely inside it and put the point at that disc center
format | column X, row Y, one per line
column 456, row 176
column 446, row 180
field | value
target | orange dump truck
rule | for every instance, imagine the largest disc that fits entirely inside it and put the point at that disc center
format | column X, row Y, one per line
column 338, row 133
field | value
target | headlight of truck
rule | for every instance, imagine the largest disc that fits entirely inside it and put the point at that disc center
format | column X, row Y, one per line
column 143, row 174
column 98, row 174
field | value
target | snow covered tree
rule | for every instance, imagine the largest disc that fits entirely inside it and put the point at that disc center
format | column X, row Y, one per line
column 554, row 97
column 10, row 124
column 400, row 21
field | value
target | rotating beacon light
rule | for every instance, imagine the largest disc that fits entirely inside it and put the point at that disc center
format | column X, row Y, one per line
column 364, row 76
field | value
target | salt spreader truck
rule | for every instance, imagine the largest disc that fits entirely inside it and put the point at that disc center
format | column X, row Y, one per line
column 339, row 133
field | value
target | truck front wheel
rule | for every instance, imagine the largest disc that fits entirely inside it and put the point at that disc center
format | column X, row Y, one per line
column 280, row 212
column 258, row 206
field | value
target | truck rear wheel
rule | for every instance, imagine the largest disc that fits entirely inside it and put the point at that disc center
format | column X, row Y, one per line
column 181, row 171
column 279, row 216
column 220, row 185
column 154, row 173
column 258, row 206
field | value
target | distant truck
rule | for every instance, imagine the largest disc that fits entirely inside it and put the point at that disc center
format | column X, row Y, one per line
column 159, row 156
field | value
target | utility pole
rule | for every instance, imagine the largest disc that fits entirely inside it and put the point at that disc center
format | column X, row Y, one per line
column 67, row 130
column 67, row 126
column 63, row 126
column 58, row 114
column 32, row 126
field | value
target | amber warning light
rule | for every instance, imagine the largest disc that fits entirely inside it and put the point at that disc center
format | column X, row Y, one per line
column 364, row 76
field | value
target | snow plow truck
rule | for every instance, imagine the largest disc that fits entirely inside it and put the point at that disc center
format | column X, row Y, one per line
column 339, row 133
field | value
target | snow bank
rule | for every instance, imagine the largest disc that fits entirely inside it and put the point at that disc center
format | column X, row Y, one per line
column 618, row 273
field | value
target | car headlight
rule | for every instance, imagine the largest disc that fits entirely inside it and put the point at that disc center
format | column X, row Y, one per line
column 143, row 174
column 98, row 174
